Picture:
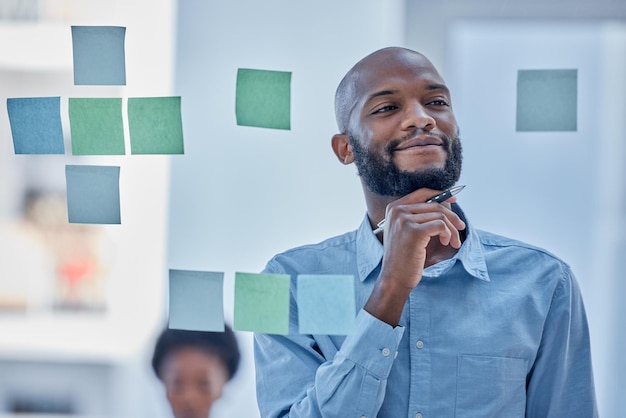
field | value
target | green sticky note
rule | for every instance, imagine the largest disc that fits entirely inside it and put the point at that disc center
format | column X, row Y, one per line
column 93, row 194
column 547, row 100
column 263, row 98
column 96, row 126
column 155, row 125
column 326, row 304
column 196, row 300
column 262, row 303
column 36, row 125
column 98, row 53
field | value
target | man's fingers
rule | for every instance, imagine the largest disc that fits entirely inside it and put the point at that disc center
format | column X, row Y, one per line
column 437, row 210
column 436, row 224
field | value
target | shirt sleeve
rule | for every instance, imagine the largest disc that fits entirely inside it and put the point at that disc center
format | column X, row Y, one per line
column 561, row 381
column 295, row 380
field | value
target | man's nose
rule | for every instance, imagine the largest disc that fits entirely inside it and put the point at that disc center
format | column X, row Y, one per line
column 417, row 116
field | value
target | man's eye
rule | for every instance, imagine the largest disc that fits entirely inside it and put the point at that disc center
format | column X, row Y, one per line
column 384, row 109
column 439, row 103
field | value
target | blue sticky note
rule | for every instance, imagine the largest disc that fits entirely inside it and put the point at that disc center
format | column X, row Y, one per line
column 196, row 300
column 547, row 100
column 36, row 125
column 326, row 304
column 93, row 194
column 99, row 57
column 262, row 303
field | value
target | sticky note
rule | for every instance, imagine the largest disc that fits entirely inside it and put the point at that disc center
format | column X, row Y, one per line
column 326, row 304
column 155, row 125
column 96, row 126
column 36, row 125
column 263, row 98
column 99, row 57
column 196, row 300
column 262, row 303
column 547, row 100
column 93, row 194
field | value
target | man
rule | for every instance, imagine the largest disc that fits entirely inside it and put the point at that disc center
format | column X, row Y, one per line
column 455, row 322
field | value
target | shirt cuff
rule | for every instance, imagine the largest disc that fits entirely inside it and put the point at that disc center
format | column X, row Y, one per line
column 374, row 345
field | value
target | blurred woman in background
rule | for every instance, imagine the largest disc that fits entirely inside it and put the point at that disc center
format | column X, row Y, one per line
column 194, row 366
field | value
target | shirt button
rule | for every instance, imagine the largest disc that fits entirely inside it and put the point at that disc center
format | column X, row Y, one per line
column 419, row 344
column 386, row 352
column 418, row 415
column 395, row 355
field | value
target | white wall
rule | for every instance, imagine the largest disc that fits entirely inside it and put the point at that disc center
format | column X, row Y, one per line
column 560, row 190
column 241, row 194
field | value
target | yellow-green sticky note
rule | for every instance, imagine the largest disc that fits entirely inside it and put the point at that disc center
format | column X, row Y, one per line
column 326, row 304
column 155, row 125
column 263, row 98
column 262, row 303
column 547, row 100
column 96, row 126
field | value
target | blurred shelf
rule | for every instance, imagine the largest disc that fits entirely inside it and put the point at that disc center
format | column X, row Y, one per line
column 70, row 337
column 36, row 46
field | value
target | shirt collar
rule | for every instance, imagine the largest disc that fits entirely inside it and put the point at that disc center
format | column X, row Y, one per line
column 369, row 252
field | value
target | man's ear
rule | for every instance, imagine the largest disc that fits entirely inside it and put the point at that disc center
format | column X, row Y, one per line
column 343, row 149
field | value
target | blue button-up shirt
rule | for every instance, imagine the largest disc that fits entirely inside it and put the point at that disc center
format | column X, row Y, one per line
column 499, row 330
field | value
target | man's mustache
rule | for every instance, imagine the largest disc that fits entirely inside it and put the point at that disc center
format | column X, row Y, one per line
column 395, row 143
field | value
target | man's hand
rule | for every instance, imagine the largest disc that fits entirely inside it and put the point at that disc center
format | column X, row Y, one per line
column 411, row 228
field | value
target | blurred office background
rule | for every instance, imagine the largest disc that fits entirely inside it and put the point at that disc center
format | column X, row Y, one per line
column 81, row 305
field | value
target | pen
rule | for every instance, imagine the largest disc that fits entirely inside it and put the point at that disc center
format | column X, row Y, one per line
column 441, row 197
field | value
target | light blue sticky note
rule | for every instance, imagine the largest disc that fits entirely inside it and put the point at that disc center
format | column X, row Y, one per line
column 93, row 194
column 326, row 304
column 196, row 300
column 262, row 303
column 36, row 125
column 547, row 100
column 99, row 57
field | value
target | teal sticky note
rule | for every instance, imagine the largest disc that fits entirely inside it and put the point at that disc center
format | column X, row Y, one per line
column 155, row 125
column 99, row 57
column 262, row 303
column 36, row 125
column 263, row 98
column 93, row 194
column 96, row 126
column 326, row 304
column 196, row 300
column 547, row 100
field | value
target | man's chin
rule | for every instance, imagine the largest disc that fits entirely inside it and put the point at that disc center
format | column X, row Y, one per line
column 416, row 161
column 418, row 167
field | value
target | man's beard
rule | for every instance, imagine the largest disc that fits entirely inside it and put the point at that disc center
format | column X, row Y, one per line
column 383, row 177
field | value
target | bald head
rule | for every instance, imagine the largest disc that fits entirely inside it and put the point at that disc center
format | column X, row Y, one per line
column 366, row 71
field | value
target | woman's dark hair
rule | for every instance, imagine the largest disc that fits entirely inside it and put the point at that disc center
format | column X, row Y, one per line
column 223, row 345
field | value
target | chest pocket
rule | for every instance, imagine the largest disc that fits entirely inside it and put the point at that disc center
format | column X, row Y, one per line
column 490, row 387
